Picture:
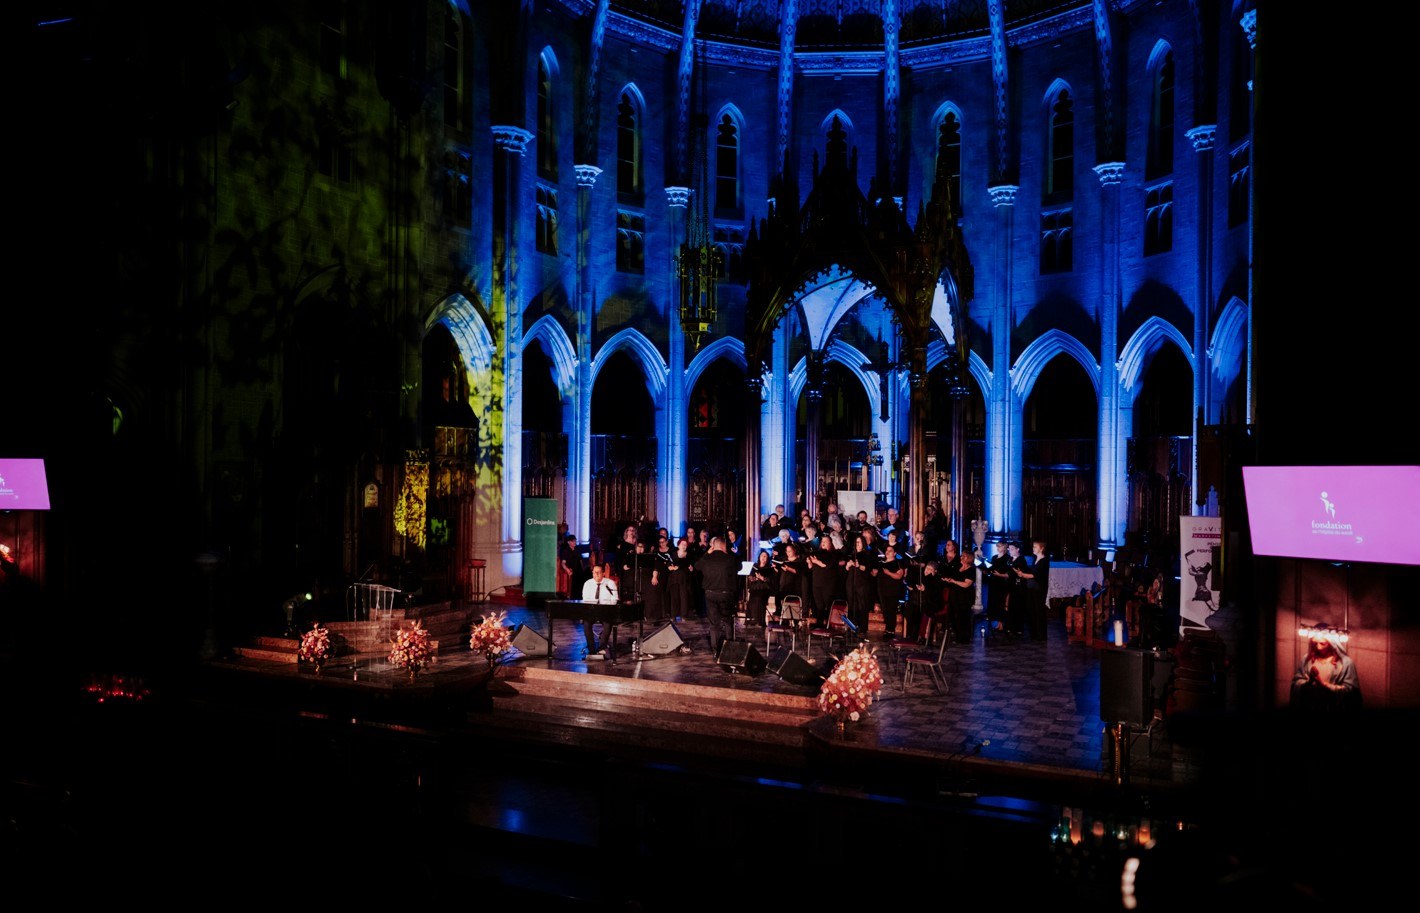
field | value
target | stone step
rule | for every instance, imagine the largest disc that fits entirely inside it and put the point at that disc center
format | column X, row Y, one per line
column 668, row 697
column 277, row 643
column 657, row 713
column 267, row 655
column 596, row 726
column 784, row 730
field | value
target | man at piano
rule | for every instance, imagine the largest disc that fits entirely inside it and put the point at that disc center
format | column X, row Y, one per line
column 601, row 589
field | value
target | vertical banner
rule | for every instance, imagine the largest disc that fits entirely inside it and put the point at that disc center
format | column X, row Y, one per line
column 1200, row 570
column 539, row 545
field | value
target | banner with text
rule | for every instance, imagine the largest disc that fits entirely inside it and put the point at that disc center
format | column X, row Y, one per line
column 1200, row 570
column 539, row 545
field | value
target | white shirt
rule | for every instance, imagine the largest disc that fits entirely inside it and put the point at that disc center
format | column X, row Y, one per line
column 607, row 594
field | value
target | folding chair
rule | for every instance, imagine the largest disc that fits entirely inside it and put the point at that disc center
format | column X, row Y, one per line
column 932, row 662
column 790, row 619
column 834, row 629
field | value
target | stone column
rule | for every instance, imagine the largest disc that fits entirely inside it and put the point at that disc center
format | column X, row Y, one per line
column 813, row 400
column 510, row 143
column 673, row 448
column 754, row 495
column 1003, row 420
column 1111, row 491
column 1204, row 139
column 579, row 436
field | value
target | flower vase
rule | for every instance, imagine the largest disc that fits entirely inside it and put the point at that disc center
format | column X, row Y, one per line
column 841, row 725
column 413, row 673
column 318, row 664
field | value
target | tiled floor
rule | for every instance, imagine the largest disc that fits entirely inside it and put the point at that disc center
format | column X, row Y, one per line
column 1011, row 701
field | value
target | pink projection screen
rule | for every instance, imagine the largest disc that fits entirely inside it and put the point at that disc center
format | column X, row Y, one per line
column 22, row 485
column 1335, row 513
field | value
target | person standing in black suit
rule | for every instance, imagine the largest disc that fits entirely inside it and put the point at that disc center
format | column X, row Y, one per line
column 762, row 583
column 925, row 600
column 961, row 596
column 825, row 566
column 862, row 589
column 1037, row 582
column 719, row 573
column 889, row 574
column 998, row 587
column 679, row 600
column 1016, row 610
column 793, row 575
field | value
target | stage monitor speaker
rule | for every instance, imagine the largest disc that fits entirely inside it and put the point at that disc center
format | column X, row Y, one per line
column 663, row 640
column 793, row 668
column 1126, row 678
column 529, row 642
column 740, row 656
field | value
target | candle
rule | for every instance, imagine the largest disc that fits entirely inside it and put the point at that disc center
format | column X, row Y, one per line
column 1118, row 633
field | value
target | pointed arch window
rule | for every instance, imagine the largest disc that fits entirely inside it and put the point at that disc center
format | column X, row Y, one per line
column 1239, row 173
column 1158, row 219
column 628, row 149
column 727, row 167
column 546, row 117
column 1159, row 160
column 1060, row 162
column 1057, row 241
column 949, row 157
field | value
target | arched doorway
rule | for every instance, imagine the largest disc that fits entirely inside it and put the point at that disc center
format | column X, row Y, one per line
column 1160, row 455
column 624, row 445
column 338, row 374
column 1060, row 435
column 845, row 454
column 544, row 440
column 715, row 489
column 967, row 492
column 449, row 430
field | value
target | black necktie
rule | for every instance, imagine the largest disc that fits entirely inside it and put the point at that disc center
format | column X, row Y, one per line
column 599, row 592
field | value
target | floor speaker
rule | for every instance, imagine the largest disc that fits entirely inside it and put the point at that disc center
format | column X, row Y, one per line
column 1125, row 683
column 529, row 642
column 793, row 668
column 663, row 640
column 740, row 656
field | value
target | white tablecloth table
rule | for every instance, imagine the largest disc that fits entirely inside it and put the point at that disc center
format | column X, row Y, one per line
column 1069, row 579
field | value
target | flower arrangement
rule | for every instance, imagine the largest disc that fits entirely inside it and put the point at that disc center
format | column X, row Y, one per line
column 411, row 650
column 491, row 637
column 850, row 687
column 315, row 645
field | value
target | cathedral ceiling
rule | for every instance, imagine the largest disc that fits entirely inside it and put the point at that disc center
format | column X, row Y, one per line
column 841, row 25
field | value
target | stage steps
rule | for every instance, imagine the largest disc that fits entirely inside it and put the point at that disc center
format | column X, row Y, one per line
column 270, row 649
column 595, row 711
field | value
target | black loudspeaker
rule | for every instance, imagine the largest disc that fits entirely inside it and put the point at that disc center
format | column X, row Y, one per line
column 740, row 656
column 793, row 668
column 1126, row 677
column 663, row 640
column 529, row 642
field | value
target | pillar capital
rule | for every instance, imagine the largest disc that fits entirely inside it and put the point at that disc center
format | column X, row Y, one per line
column 587, row 175
column 677, row 197
column 1249, row 27
column 1110, row 173
column 1003, row 194
column 1204, row 137
column 510, row 139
